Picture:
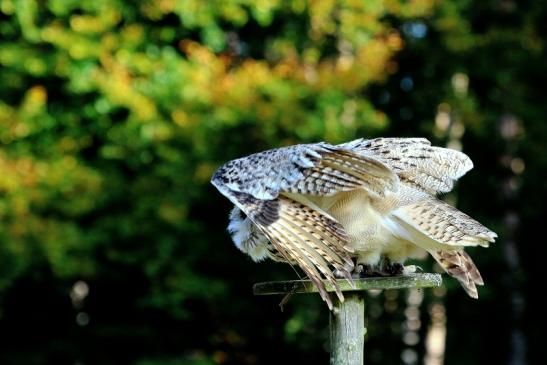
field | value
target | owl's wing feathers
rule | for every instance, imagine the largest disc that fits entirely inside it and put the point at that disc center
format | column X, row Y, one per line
column 317, row 169
column 430, row 169
column 299, row 231
column 299, row 239
column 434, row 224
column 343, row 170
column 302, row 235
column 416, row 162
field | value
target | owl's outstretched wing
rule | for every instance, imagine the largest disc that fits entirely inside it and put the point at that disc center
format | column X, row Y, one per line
column 439, row 228
column 300, row 231
column 317, row 169
column 416, row 162
column 435, row 224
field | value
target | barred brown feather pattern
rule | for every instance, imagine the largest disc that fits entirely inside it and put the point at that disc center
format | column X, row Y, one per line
column 318, row 169
column 446, row 224
column 432, row 169
column 302, row 235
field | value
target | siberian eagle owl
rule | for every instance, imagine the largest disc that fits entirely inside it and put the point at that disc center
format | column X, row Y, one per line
column 362, row 206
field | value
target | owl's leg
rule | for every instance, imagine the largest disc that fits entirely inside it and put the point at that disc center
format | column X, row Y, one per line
column 373, row 265
column 392, row 268
column 395, row 256
column 387, row 268
column 368, row 264
column 370, row 271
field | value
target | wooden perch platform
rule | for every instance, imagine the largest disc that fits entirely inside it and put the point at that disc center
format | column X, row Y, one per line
column 347, row 319
column 423, row 280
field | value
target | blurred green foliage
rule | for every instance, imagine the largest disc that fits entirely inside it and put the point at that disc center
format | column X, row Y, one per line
column 114, row 117
column 114, row 114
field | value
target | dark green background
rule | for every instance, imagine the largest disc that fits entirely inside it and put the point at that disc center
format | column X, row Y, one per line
column 114, row 114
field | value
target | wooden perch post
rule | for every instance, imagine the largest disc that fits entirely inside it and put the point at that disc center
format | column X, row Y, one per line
column 347, row 320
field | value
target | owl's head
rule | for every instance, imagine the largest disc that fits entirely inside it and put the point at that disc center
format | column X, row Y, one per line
column 246, row 236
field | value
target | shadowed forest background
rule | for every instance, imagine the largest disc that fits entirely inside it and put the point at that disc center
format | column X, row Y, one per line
column 114, row 115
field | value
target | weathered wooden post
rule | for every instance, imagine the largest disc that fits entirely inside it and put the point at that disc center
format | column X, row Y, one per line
column 347, row 330
column 347, row 320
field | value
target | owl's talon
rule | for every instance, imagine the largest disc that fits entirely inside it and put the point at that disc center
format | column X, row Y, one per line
column 338, row 274
column 357, row 270
column 395, row 269
column 412, row 269
column 390, row 268
column 370, row 271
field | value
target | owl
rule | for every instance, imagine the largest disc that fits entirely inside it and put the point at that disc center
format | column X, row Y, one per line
column 355, row 209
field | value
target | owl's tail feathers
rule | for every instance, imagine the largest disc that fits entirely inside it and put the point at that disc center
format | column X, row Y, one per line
column 459, row 265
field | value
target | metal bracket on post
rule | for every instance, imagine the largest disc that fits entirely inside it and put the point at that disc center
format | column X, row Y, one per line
column 347, row 328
